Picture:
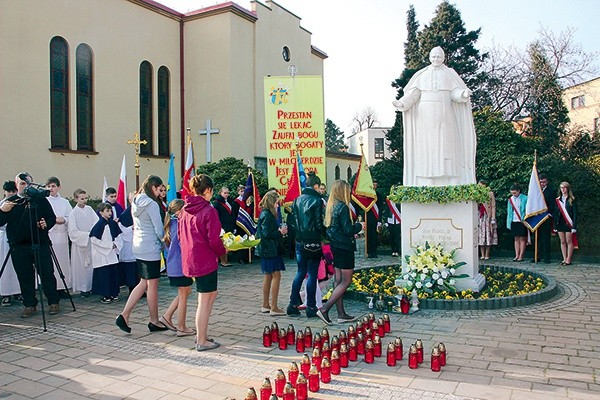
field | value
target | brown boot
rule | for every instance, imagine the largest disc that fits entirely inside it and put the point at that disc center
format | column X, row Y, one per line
column 28, row 312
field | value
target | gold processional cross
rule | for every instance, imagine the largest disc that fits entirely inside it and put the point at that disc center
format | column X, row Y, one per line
column 136, row 142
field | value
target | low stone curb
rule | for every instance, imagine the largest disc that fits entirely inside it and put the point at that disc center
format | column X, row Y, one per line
column 495, row 303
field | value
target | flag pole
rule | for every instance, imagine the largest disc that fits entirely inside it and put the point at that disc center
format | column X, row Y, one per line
column 366, row 213
column 535, row 245
column 249, row 249
column 366, row 236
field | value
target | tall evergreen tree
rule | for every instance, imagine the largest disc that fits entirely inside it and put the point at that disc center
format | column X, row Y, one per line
column 334, row 137
column 546, row 107
column 412, row 59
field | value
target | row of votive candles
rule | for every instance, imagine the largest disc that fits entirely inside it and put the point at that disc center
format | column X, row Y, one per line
column 415, row 356
column 320, row 369
column 369, row 327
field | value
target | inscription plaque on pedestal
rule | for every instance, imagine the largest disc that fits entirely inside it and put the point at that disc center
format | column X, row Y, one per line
column 437, row 230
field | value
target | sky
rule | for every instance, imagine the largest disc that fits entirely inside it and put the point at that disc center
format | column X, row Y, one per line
column 364, row 40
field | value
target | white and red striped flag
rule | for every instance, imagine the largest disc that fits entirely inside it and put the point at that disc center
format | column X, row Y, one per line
column 190, row 170
column 122, row 189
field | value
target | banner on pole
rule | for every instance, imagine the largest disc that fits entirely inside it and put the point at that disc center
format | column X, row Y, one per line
column 294, row 113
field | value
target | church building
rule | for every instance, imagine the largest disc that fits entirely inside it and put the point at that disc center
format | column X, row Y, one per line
column 78, row 78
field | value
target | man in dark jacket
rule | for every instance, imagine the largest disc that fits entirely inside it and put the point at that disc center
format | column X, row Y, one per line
column 307, row 223
column 227, row 215
column 374, row 223
column 545, row 230
column 28, row 220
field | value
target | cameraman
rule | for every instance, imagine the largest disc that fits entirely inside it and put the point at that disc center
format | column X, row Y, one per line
column 18, row 213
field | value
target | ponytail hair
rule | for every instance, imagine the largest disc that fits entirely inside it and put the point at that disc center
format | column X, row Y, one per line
column 199, row 184
column 174, row 206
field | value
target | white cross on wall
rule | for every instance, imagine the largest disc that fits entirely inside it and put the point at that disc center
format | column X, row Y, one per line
column 209, row 130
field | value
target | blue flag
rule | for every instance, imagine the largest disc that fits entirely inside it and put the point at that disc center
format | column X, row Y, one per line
column 171, row 184
column 536, row 211
column 301, row 173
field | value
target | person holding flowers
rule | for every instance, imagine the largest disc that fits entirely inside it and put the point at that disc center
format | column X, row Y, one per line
column 340, row 232
column 199, row 232
column 271, row 261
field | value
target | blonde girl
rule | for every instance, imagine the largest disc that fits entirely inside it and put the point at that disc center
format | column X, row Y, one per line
column 175, row 273
column 340, row 232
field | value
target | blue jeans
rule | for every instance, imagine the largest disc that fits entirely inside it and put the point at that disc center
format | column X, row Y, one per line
column 312, row 268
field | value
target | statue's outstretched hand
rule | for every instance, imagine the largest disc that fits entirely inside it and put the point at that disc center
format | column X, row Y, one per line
column 398, row 104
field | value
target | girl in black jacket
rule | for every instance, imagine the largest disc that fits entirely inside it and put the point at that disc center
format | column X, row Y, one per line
column 271, row 262
column 340, row 231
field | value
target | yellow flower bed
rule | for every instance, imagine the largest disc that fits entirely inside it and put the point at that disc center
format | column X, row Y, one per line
column 380, row 281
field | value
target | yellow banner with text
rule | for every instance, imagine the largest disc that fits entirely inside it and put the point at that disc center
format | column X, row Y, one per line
column 294, row 119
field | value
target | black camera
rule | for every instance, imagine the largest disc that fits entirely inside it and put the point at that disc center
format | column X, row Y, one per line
column 34, row 190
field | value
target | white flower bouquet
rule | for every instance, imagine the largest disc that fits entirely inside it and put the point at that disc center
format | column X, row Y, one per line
column 429, row 270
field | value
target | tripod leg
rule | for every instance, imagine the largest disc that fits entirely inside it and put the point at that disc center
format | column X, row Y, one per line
column 61, row 274
column 38, row 277
column 4, row 263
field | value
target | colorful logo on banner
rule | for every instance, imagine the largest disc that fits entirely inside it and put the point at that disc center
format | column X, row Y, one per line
column 279, row 95
column 294, row 119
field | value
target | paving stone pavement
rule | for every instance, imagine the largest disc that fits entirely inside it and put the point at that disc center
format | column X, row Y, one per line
column 544, row 351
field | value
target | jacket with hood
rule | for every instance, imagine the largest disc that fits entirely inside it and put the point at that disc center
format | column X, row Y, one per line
column 148, row 228
column 199, row 237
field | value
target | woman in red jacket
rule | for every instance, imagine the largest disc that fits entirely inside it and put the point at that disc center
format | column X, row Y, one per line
column 201, row 246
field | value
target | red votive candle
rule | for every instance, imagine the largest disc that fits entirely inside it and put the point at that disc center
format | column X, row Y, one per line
column 279, row 383
column 266, row 389
column 291, row 335
column 391, row 355
column 301, row 388
column 313, row 379
column 413, row 363
column 267, row 337
column 300, row 342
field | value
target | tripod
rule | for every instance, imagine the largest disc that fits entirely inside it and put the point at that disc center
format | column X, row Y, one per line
column 35, row 247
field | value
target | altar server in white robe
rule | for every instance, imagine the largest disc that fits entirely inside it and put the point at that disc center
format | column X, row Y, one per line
column 59, row 235
column 9, row 284
column 81, row 221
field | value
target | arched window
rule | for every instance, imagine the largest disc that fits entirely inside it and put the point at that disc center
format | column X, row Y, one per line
column 349, row 172
column 59, row 93
column 337, row 171
column 85, row 98
column 163, row 111
column 146, row 107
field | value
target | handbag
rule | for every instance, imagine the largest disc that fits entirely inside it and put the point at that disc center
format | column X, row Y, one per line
column 312, row 251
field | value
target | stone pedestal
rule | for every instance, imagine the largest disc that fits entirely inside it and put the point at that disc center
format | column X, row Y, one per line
column 452, row 225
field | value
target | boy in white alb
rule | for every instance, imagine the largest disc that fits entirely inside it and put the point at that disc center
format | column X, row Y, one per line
column 81, row 221
column 59, row 235
column 106, row 241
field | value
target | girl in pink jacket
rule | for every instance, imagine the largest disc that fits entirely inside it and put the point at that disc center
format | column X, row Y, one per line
column 199, row 232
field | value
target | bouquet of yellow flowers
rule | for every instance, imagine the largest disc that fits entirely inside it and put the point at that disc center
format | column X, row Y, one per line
column 236, row 242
